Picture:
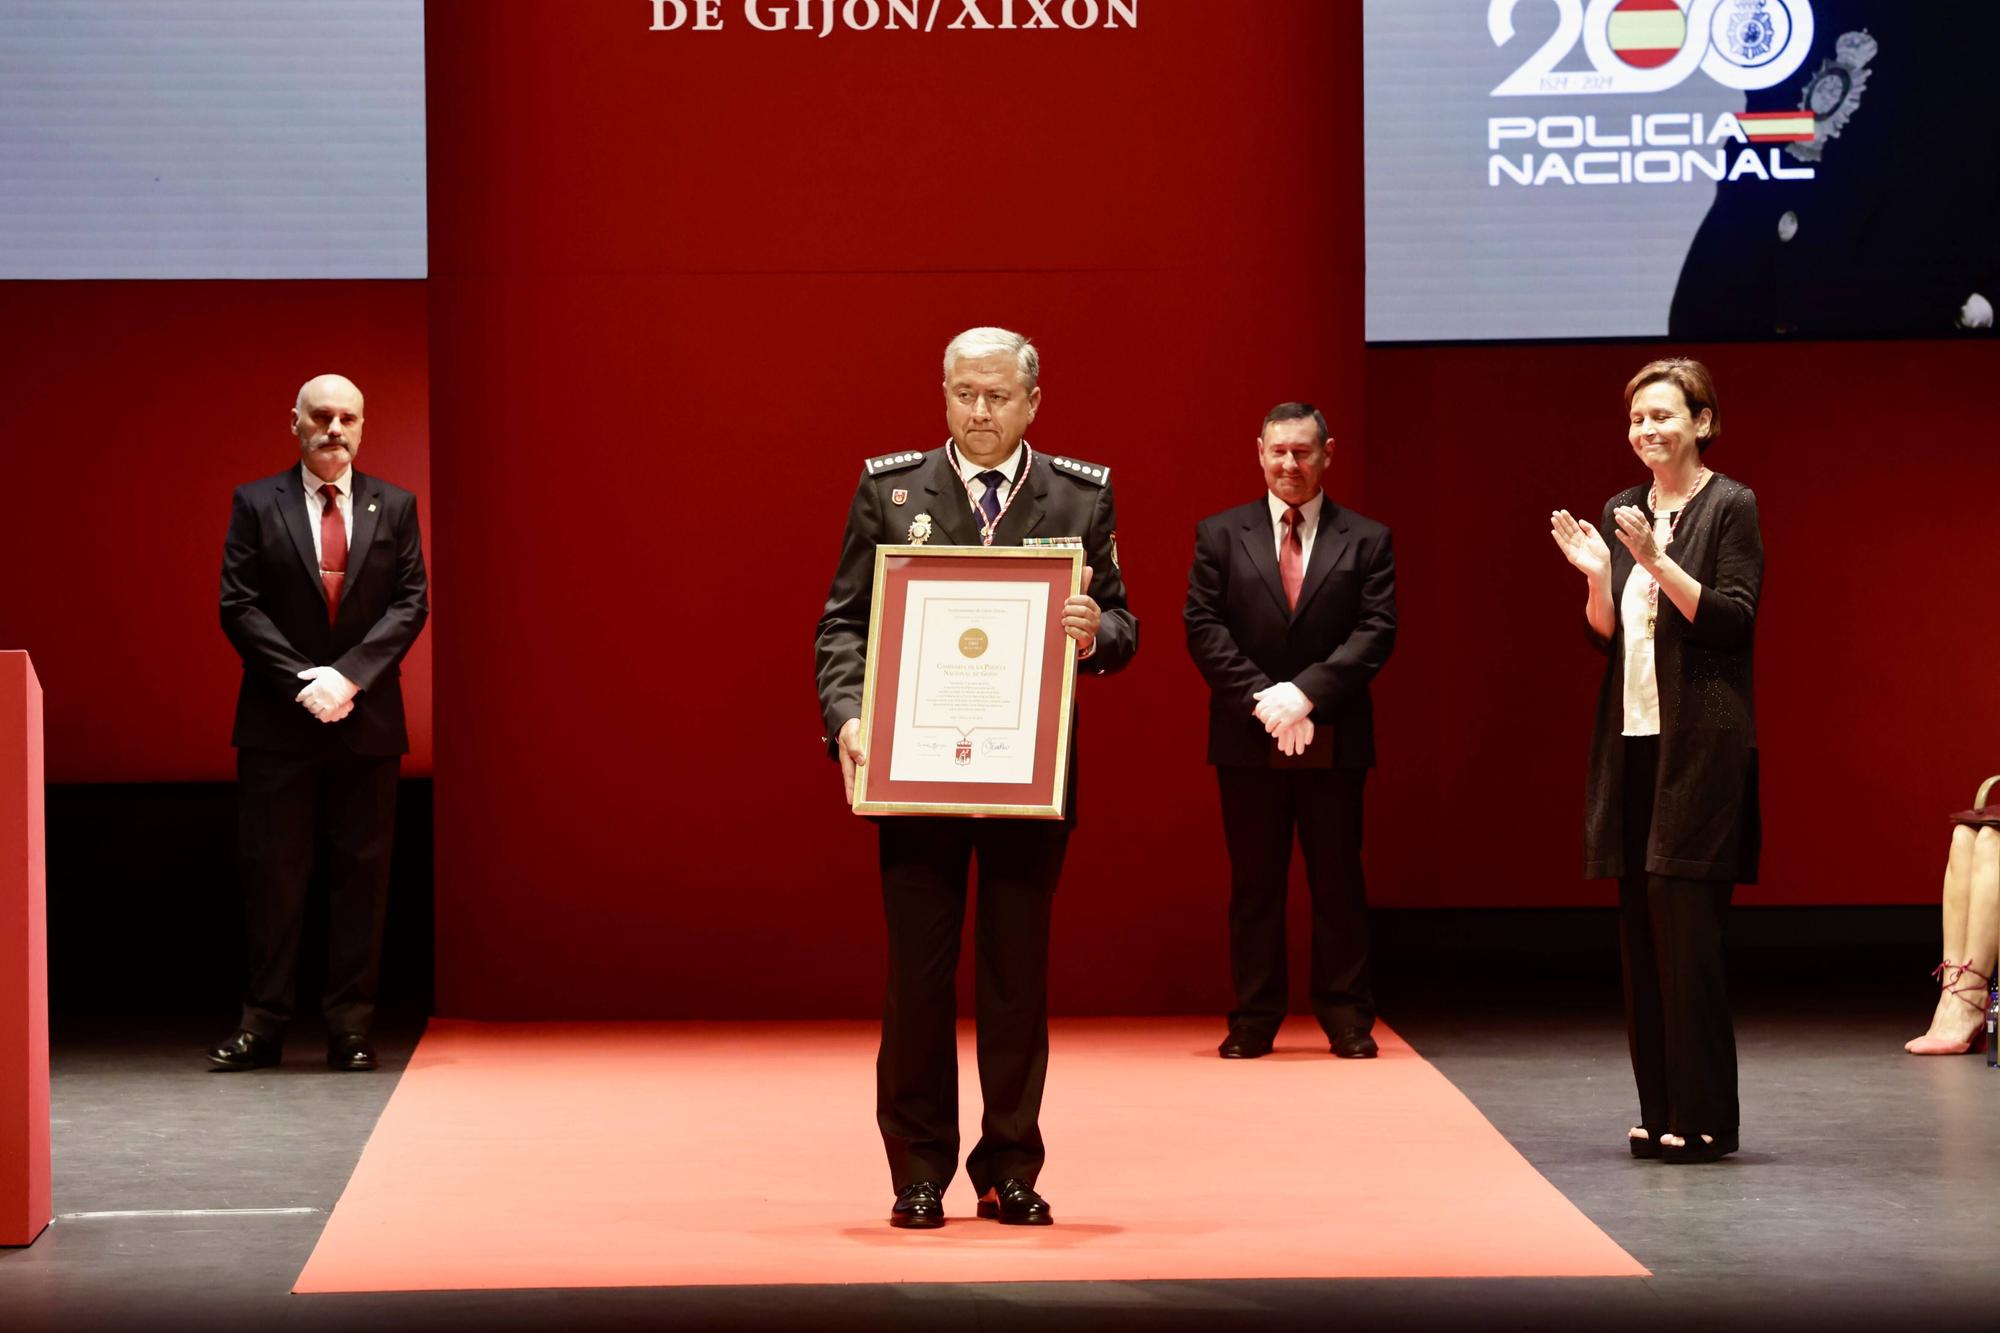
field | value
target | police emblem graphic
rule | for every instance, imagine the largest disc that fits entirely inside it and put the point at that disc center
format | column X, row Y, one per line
column 1639, row 47
column 1833, row 93
column 1751, row 33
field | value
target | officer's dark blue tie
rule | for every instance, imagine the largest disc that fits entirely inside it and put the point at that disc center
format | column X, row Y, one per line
column 989, row 505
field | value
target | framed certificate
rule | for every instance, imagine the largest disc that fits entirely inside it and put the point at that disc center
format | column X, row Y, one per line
column 965, row 704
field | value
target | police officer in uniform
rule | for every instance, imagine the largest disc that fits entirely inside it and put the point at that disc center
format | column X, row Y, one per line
column 1899, row 231
column 987, row 485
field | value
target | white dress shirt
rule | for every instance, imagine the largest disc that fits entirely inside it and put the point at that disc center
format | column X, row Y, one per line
column 1308, row 526
column 316, row 505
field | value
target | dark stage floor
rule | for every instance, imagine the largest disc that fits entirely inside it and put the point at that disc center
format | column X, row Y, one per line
column 1868, row 1193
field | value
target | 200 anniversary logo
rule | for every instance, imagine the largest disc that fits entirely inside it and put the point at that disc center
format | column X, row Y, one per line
column 1645, row 47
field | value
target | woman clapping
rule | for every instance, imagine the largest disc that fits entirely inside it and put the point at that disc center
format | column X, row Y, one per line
column 1671, row 809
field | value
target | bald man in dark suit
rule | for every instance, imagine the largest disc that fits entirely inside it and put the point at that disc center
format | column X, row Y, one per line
column 323, row 592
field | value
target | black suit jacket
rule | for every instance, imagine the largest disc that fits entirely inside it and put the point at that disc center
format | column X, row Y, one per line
column 1057, row 499
column 274, row 612
column 1244, row 639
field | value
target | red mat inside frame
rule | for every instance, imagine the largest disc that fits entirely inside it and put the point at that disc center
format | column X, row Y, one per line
column 594, row 1155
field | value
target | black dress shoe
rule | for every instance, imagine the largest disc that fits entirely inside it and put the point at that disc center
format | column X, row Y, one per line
column 1355, row 1046
column 1014, row 1203
column 350, row 1053
column 919, row 1207
column 1243, row 1044
column 1699, row 1148
column 245, row 1050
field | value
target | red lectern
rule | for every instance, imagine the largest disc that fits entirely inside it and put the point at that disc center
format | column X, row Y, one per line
column 25, row 1200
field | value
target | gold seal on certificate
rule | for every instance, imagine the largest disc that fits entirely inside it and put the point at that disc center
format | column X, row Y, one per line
column 966, row 702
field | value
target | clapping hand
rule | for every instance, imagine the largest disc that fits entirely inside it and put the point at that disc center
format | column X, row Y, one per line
column 1636, row 531
column 1580, row 544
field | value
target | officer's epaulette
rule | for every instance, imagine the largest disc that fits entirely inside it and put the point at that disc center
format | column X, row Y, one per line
column 882, row 463
column 1094, row 473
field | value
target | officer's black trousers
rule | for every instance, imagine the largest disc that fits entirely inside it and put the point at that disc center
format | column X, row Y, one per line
column 924, row 868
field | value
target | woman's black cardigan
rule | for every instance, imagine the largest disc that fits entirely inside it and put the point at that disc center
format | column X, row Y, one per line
column 1706, row 823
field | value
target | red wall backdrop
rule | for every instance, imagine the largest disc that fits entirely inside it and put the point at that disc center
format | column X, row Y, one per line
column 686, row 282
column 130, row 411
column 682, row 284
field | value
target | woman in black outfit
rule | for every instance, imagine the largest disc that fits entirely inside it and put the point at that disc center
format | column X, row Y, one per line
column 1671, row 811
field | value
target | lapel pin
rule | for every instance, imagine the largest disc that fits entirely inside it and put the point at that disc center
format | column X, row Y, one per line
column 371, row 508
column 899, row 496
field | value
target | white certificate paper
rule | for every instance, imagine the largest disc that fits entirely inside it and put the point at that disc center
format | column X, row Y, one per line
column 970, row 691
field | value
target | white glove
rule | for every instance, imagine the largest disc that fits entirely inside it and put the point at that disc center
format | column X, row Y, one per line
column 1281, row 705
column 1976, row 313
column 328, row 695
column 1295, row 738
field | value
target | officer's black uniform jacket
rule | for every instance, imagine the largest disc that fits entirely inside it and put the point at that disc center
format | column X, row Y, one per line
column 1056, row 497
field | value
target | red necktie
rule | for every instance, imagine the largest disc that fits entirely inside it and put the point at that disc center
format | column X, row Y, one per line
column 332, row 549
column 1291, row 557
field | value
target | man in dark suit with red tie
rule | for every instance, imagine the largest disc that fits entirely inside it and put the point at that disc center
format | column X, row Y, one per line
column 1291, row 610
column 323, row 592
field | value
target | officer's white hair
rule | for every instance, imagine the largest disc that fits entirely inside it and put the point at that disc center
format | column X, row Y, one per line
column 976, row 343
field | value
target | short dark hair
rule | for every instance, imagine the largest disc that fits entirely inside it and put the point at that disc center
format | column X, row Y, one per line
column 1691, row 377
column 1296, row 412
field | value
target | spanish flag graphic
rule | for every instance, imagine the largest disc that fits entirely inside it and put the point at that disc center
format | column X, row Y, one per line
column 1777, row 126
column 1647, row 33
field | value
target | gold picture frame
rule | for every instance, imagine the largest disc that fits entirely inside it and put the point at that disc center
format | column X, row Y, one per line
column 885, row 717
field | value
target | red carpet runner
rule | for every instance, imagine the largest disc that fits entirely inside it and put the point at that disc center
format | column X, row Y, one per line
column 596, row 1155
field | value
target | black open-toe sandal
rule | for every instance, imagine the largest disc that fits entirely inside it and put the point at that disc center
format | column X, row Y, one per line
column 1643, row 1141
